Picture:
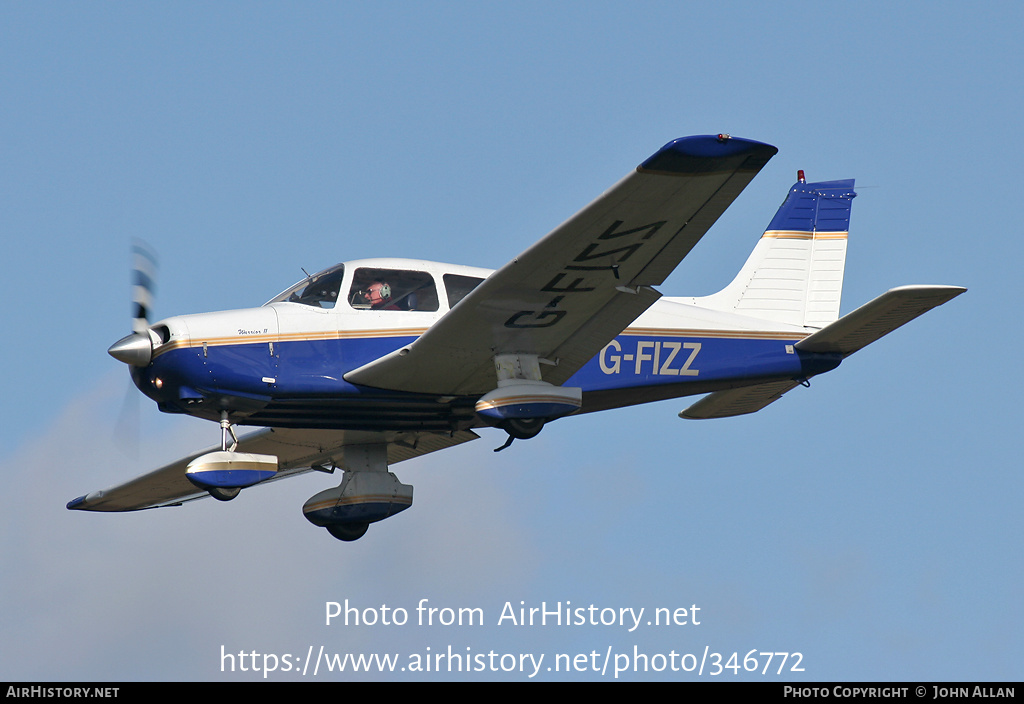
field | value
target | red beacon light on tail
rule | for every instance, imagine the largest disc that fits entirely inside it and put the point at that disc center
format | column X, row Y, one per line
column 800, row 176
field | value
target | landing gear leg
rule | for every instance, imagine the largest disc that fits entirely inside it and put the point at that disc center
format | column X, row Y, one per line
column 224, row 493
column 225, row 429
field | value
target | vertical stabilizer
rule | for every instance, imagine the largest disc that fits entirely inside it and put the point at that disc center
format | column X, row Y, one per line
column 795, row 273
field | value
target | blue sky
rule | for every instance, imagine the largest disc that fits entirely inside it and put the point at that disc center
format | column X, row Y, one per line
column 871, row 523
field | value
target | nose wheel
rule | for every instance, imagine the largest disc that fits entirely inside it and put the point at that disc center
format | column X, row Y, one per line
column 224, row 473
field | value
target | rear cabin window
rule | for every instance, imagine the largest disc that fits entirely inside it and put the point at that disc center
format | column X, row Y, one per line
column 392, row 289
column 458, row 286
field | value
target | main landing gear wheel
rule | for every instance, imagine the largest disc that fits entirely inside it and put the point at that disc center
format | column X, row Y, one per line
column 522, row 428
column 224, row 493
column 348, row 531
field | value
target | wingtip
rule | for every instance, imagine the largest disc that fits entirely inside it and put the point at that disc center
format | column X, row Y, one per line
column 704, row 153
column 945, row 291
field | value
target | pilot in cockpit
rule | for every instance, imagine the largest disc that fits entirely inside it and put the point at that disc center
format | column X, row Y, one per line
column 378, row 296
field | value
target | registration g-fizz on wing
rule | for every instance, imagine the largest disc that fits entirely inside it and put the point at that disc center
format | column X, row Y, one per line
column 372, row 362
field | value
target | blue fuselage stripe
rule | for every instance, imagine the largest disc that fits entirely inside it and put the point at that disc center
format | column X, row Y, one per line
column 315, row 368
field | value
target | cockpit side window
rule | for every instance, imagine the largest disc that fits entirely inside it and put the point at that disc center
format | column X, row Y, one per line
column 320, row 290
column 392, row 289
column 458, row 286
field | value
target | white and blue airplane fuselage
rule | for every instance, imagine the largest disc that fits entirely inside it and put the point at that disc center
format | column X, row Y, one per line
column 284, row 364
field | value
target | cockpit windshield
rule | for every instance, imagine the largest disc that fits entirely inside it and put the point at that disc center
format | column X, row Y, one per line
column 319, row 290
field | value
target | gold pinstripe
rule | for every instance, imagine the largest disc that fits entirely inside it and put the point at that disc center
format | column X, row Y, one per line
column 728, row 334
column 804, row 235
column 361, row 499
column 415, row 332
column 498, row 402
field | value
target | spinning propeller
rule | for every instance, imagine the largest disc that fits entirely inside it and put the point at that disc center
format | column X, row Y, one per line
column 137, row 349
column 143, row 284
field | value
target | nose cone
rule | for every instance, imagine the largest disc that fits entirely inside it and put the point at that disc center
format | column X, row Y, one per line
column 135, row 349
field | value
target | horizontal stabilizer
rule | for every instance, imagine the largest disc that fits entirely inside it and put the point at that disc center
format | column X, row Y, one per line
column 850, row 333
column 881, row 316
column 738, row 402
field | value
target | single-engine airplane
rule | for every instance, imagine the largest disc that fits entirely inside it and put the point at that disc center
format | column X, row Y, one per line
column 373, row 362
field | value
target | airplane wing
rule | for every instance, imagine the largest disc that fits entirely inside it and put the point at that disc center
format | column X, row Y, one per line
column 297, row 451
column 565, row 297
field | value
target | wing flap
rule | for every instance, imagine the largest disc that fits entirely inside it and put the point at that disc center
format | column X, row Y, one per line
column 596, row 265
column 297, row 451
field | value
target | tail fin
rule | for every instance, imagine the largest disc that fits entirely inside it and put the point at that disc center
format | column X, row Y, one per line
column 795, row 273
